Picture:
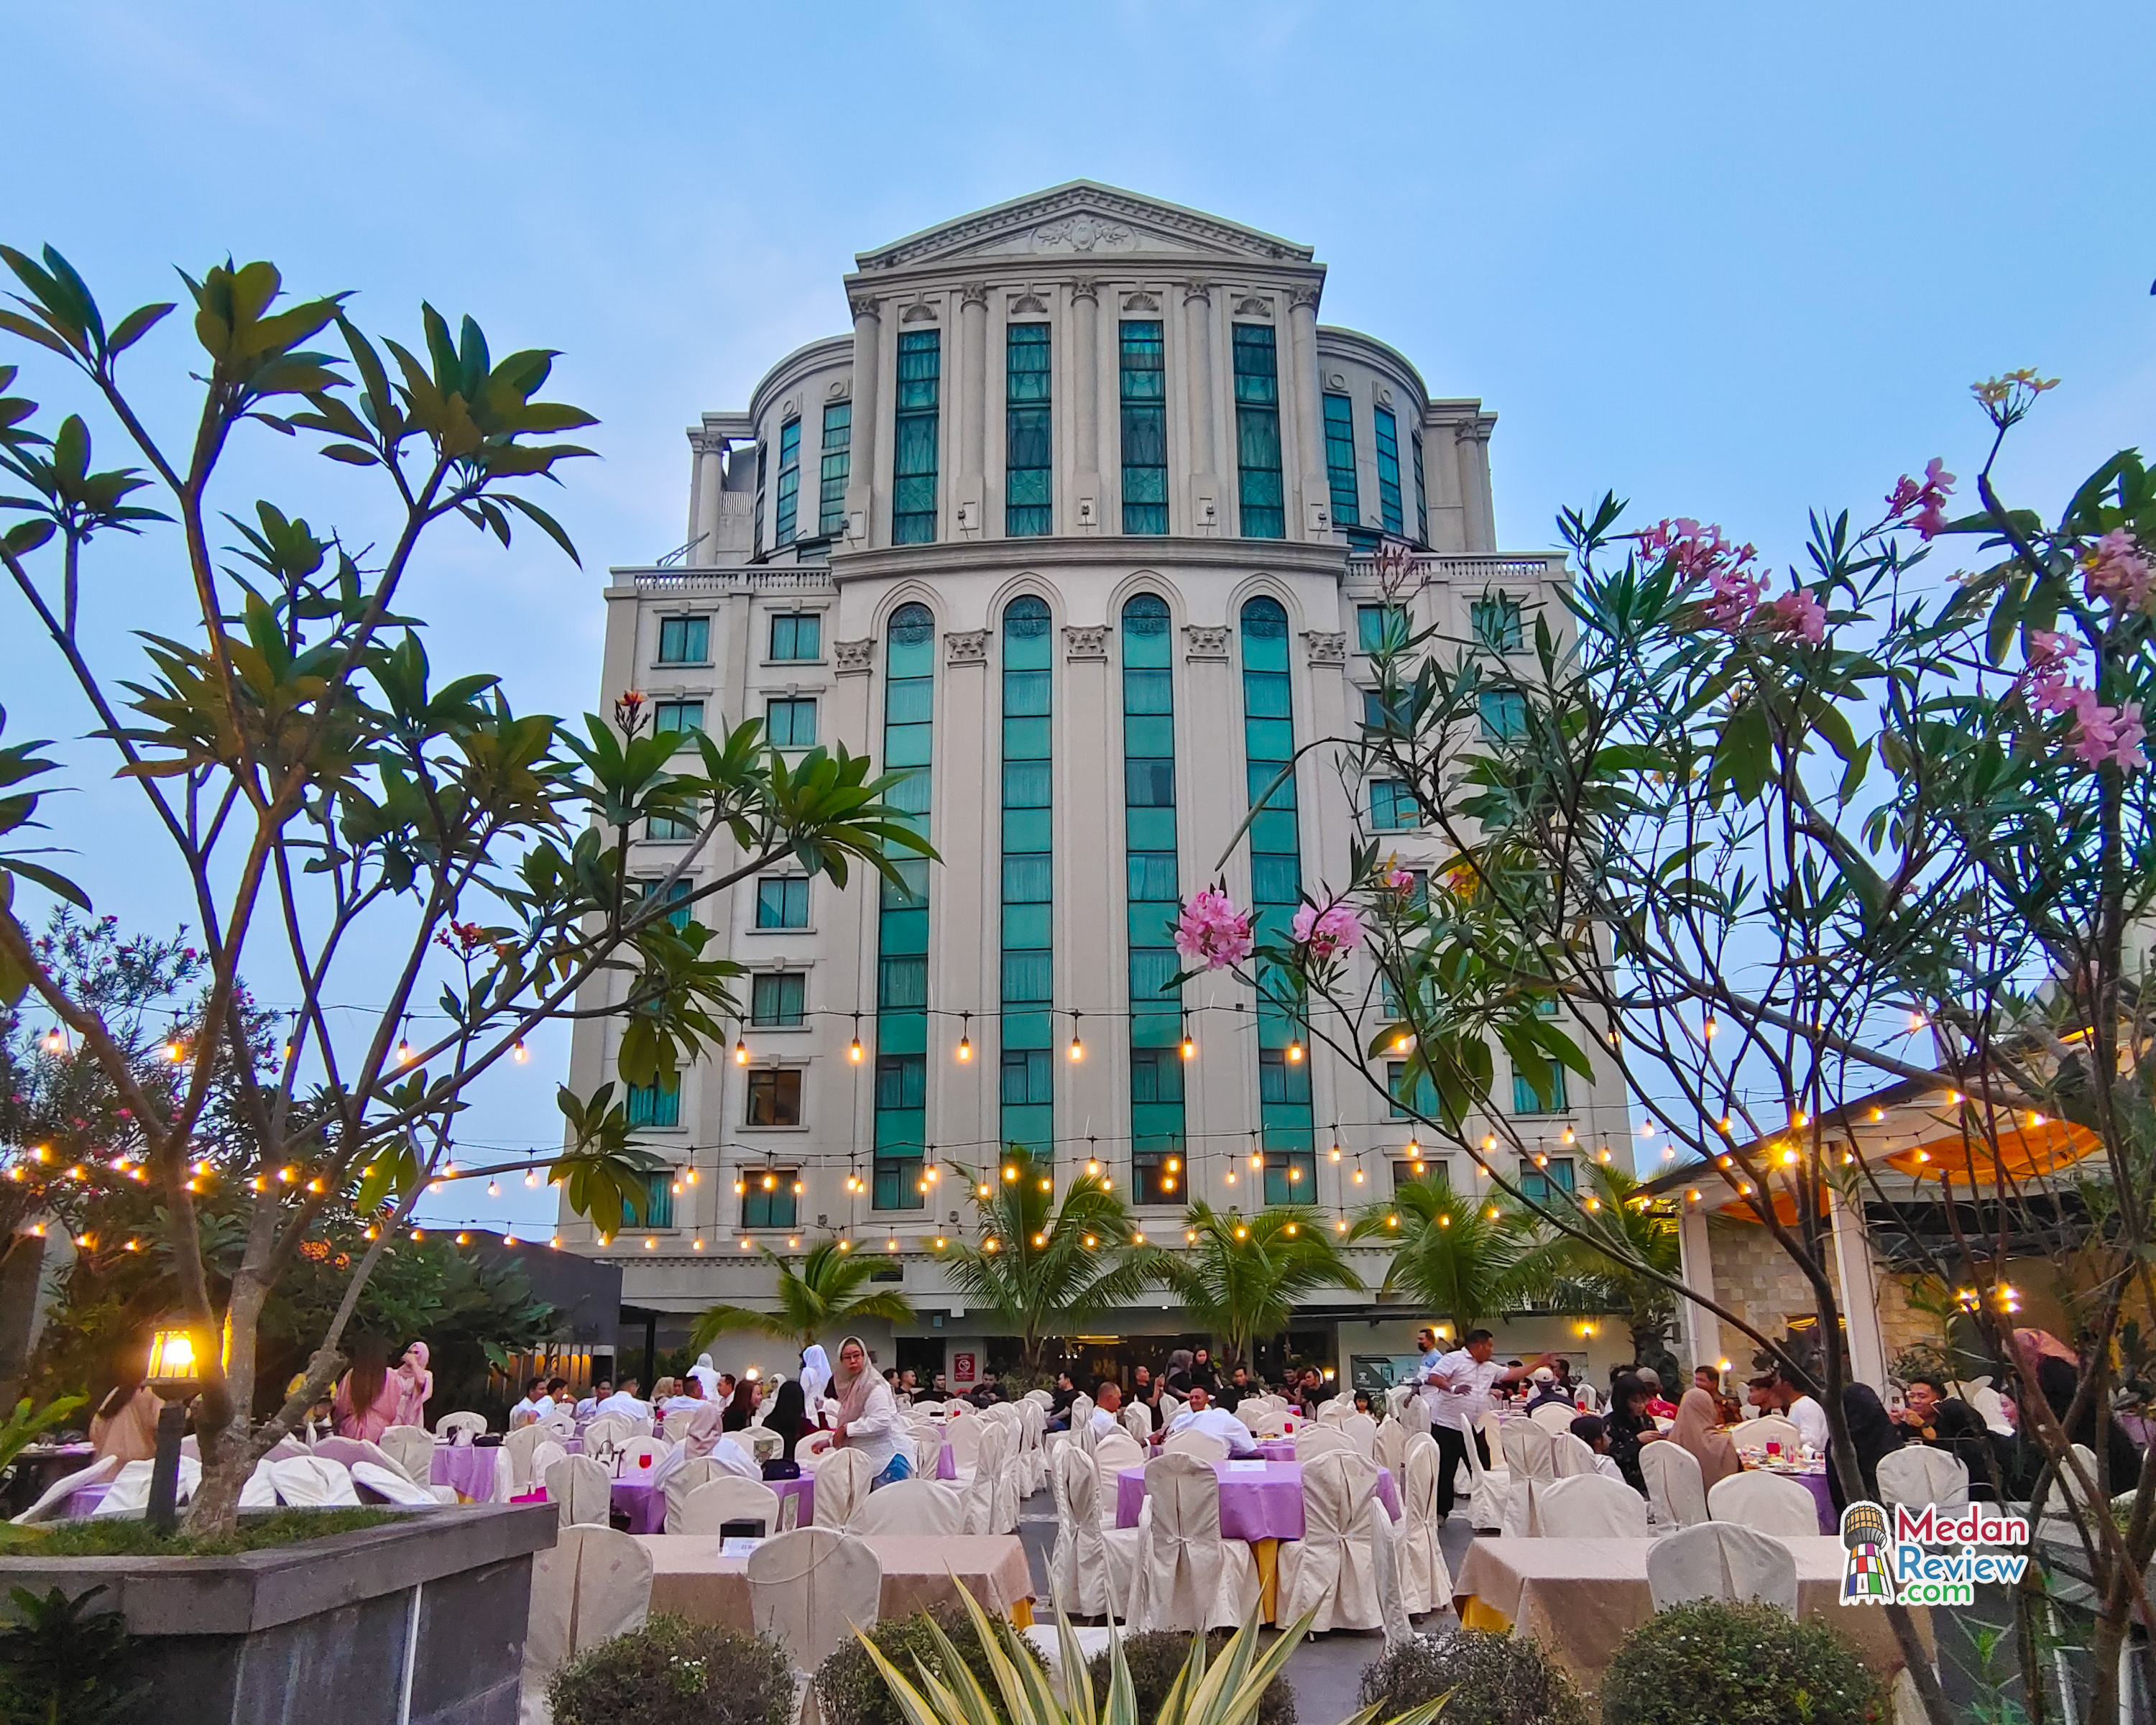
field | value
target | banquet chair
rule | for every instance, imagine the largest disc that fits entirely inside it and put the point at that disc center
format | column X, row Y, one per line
column 638, row 1457
column 1094, row 1564
column 1334, row 1411
column 604, row 1437
column 1979, row 1395
column 927, row 1506
column 53, row 1499
column 303, row 1481
column 1171, row 1406
column 761, row 1442
column 592, row 1585
column 1250, row 1413
column 1338, row 1568
column 1766, row 1503
column 963, row 1436
column 1573, row 1456
column 1361, row 1431
column 1425, row 1583
column 809, row 1591
column 260, row 1491
column 392, row 1484
column 1752, row 1436
column 1531, row 1464
column 1311, row 1441
column 544, row 1455
column 695, row 1471
column 1116, row 1451
column 842, row 1485
column 1137, row 1421
column 1720, row 1560
column 1554, row 1416
column 581, row 1488
column 1489, row 1491
column 411, row 1449
column 1589, row 1507
column 989, row 1493
column 1204, row 1444
column 1189, row 1578
column 560, row 1425
column 1919, row 1474
column 1033, row 1449
column 1390, row 1445
column 674, row 1423
column 1676, row 1489
column 521, row 1445
column 709, row 1507
column 460, row 1428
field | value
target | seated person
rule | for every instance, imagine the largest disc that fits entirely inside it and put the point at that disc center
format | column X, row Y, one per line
column 1659, row 1406
column 1108, row 1406
column 1590, row 1430
column 1059, row 1404
column 1229, row 1395
column 589, row 1405
column 1547, row 1391
column 625, row 1402
column 689, row 1396
column 1201, row 1416
column 1930, row 1416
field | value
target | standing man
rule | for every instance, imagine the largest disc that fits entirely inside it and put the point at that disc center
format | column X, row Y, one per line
column 1460, row 1384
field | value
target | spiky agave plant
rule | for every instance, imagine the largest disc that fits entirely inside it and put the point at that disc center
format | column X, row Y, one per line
column 1223, row 1691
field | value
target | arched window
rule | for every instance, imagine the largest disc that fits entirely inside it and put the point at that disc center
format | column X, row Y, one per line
column 901, row 1064
column 1158, row 1174
column 1027, row 1072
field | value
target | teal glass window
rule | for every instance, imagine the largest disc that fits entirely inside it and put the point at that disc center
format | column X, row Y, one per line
column 1552, row 1180
column 838, row 464
column 1420, row 1099
column 1284, row 1107
column 791, row 723
column 656, row 1105
column 902, row 1071
column 1504, row 715
column 1428, row 1171
column 1029, row 438
column 777, row 999
column 677, row 895
column 782, row 901
column 1422, row 494
column 1377, row 717
column 1497, row 623
column 677, row 716
column 1340, row 459
column 1029, row 961
column 1392, row 806
column 685, row 640
column 913, row 456
column 1159, row 1141
column 658, row 1200
column 795, row 636
column 1377, row 626
column 756, row 524
column 1144, row 372
column 664, row 829
column 1387, row 434
column 768, row 1199
column 1528, row 1100
column 774, row 1097
column 1262, row 498
column 789, row 481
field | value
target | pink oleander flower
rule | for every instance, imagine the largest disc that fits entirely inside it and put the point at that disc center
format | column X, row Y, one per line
column 2108, row 733
column 1326, row 933
column 2117, row 571
column 1708, row 554
column 2048, row 665
column 1398, row 878
column 1212, row 930
column 1926, row 497
column 1799, row 614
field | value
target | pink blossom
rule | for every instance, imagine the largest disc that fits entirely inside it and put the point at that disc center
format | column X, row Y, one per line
column 1733, row 594
column 2108, row 733
column 1706, row 554
column 1799, row 613
column 2117, row 572
column 2048, row 661
column 1212, row 929
column 1328, row 932
column 1926, row 496
column 1398, row 878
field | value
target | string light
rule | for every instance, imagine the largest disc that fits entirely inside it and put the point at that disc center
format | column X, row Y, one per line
column 54, row 1042
column 741, row 1052
column 1295, row 1051
column 965, row 1036
column 1189, row 1045
column 854, row 1048
column 519, row 1053
column 493, row 1188
column 1077, row 1047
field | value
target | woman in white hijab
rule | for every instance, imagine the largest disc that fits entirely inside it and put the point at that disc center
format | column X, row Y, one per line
column 867, row 1413
column 704, row 1373
column 815, row 1375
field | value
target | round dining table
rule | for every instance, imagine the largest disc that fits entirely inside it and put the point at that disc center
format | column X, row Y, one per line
column 1259, row 1499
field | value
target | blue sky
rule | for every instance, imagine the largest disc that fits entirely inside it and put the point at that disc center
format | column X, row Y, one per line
column 1731, row 261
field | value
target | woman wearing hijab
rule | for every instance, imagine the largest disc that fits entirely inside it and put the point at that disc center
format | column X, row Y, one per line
column 1628, row 1425
column 125, row 1423
column 1698, row 1429
column 365, row 1404
column 2060, row 1382
column 707, row 1375
column 1871, row 1433
column 867, row 1413
column 415, row 1385
column 815, row 1376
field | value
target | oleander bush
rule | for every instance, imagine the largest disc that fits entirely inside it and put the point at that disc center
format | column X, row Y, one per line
column 1744, row 1664
column 1488, row 1678
column 675, row 1672
column 850, row 1691
column 1156, row 1659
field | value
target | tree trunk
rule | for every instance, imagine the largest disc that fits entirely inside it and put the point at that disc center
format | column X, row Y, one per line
column 22, row 1271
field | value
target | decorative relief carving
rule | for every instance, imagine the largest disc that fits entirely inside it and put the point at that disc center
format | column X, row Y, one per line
column 966, row 646
column 1302, row 298
column 920, row 311
column 1250, row 305
column 1202, row 642
column 841, row 388
column 1324, row 647
column 1472, row 431
column 862, row 305
column 1196, row 290
column 1086, row 288
column 1141, row 301
column 789, row 407
column 974, row 293
column 1385, row 396
column 1085, row 642
column 1083, row 233
column 854, row 658
column 1029, row 302
column 1335, row 380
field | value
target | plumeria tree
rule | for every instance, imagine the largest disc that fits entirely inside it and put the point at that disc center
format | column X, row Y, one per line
column 340, row 817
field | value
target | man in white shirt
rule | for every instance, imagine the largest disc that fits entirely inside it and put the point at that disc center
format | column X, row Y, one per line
column 590, row 1404
column 536, row 1405
column 1464, row 1379
column 625, row 1401
column 1108, row 1408
column 691, row 1398
column 1803, row 1410
column 1201, row 1416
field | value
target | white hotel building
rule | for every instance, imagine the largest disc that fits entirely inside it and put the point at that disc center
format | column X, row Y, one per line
column 1076, row 526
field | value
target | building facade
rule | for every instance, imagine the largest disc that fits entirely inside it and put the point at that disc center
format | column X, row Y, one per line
column 1076, row 528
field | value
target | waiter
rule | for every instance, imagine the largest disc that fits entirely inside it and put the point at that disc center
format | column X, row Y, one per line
column 1456, row 1390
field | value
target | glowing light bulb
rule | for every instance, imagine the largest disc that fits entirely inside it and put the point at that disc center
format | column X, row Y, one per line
column 531, row 1177
column 1294, row 1052
column 741, row 1052
column 493, row 1188
column 854, row 1050
column 174, row 1052
column 1077, row 1049
column 519, row 1053
column 1189, row 1048
column 965, row 1048
column 1336, row 1152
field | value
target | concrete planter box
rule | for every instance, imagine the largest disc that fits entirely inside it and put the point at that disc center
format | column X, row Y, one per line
column 419, row 1621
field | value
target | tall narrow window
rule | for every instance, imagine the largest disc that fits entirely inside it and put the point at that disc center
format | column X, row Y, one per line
column 1284, row 1109
column 1340, row 460
column 797, row 636
column 1145, row 428
column 1422, row 497
column 1388, row 470
column 756, row 522
column 1029, row 958
column 837, row 468
column 1157, row 1139
column 913, row 462
column 685, row 640
column 1028, row 477
column 1263, row 500
column 901, row 1067
column 789, row 481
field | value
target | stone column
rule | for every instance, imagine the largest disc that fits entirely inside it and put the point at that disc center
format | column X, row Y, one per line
column 1086, row 404
column 1300, row 381
column 868, row 393
column 972, row 385
column 1702, row 1330
column 1203, row 506
column 1858, row 1284
column 709, row 482
column 1472, row 445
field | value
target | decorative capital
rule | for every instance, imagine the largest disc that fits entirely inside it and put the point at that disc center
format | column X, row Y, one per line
column 1085, row 642
column 862, row 306
column 974, row 293
column 1201, row 291
column 1203, row 643
column 1086, row 288
column 966, row 646
column 1324, row 647
column 1302, row 298
column 1470, row 431
column 854, row 659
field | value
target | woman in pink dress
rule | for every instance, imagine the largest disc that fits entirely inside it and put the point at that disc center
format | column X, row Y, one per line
column 365, row 1404
column 415, row 1385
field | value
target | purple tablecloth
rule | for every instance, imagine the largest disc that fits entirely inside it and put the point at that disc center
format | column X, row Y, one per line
column 946, row 1465
column 646, row 1507
column 468, row 1468
column 1816, row 1484
column 804, row 1488
column 1253, row 1505
column 1281, row 1449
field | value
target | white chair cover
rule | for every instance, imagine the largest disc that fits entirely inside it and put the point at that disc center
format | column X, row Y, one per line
column 693, row 1471
column 1031, row 1455
column 1137, row 1421
column 1191, row 1578
column 964, row 1435
column 1039, row 1398
column 544, row 1455
column 55, row 1496
column 1754, row 1435
column 729, row 1457
column 581, row 1489
column 1115, row 1450
column 1530, row 1463
column 761, row 1442
column 592, row 1585
column 411, row 1449
column 1919, row 1474
column 842, row 1486
column 1554, row 1416
column 934, row 1507
column 1489, row 1491
column 1979, row 1395
column 392, row 1484
column 1250, row 1412
column 701, row 1429
column 639, row 1456
column 560, row 1425
column 460, row 1428
column 520, row 1446
column 1425, row 1580
column 1389, row 1446
column 604, row 1437
column 1332, row 1412
column 1361, row 1431
column 1676, row 1489
column 260, row 1491
column 713, row 1503
column 1589, row 1507
column 1204, row 1444
column 810, row 1589
column 1573, row 1456
column 1311, row 1441
column 675, row 1425
column 1719, row 1560
column 1341, row 1566
column 1765, row 1502
column 1095, row 1564
column 987, row 1491
column 303, row 1481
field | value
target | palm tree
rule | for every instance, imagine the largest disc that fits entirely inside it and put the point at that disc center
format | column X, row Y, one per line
column 822, row 1298
column 1040, row 1265
column 1624, row 1230
column 1463, row 1259
column 1241, row 1277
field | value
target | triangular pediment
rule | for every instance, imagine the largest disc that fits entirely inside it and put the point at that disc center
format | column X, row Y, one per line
column 1086, row 219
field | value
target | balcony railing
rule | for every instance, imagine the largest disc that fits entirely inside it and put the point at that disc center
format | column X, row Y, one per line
column 1502, row 570
column 756, row 579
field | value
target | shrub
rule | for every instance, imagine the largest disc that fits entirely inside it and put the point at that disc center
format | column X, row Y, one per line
column 1739, row 1665
column 1157, row 1658
column 851, row 1692
column 1492, row 1680
column 65, row 1662
column 675, row 1672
